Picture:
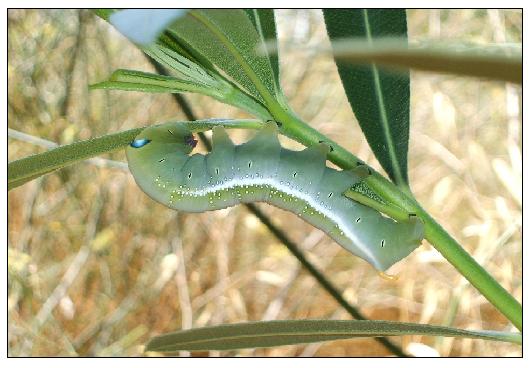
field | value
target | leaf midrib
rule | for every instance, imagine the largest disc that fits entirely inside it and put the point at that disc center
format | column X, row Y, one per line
column 385, row 123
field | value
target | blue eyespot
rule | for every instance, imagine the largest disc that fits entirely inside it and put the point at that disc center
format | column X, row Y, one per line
column 137, row 143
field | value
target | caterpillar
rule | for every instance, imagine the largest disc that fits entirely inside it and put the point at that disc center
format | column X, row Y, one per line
column 260, row 170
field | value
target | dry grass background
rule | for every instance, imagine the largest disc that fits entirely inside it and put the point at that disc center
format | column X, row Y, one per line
column 96, row 267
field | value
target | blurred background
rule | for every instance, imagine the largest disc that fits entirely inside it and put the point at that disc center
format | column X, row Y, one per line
column 97, row 268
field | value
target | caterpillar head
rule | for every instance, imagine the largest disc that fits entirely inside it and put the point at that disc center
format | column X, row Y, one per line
column 176, row 135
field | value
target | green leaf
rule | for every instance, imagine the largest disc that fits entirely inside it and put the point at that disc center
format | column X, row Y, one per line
column 380, row 99
column 491, row 62
column 178, row 52
column 276, row 333
column 132, row 80
column 229, row 40
column 31, row 167
column 264, row 22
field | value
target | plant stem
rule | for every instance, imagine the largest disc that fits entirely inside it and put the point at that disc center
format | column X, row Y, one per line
column 453, row 251
column 444, row 243
column 295, row 128
column 471, row 270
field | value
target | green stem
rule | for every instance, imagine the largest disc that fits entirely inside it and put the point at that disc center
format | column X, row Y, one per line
column 453, row 252
column 295, row 128
column 471, row 270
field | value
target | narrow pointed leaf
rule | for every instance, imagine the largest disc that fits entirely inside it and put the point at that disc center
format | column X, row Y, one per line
column 276, row 333
column 171, row 41
column 132, row 80
column 175, row 51
column 380, row 99
column 31, row 167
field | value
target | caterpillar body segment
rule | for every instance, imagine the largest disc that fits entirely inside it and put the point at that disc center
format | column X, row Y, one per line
column 260, row 170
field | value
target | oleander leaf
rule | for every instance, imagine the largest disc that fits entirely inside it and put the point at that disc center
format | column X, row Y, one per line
column 168, row 40
column 379, row 99
column 132, row 80
column 277, row 333
column 31, row 167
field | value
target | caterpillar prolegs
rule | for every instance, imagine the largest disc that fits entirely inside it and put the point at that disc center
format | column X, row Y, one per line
column 260, row 170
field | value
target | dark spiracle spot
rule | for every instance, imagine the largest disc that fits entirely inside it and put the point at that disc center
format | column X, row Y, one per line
column 189, row 139
column 382, row 243
column 137, row 143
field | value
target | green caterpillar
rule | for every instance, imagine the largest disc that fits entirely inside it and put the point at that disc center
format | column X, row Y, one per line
column 262, row 171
